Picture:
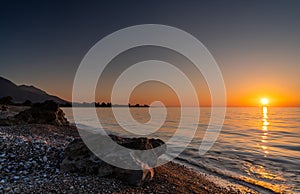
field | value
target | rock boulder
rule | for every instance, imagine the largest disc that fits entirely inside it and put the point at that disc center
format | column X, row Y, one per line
column 79, row 159
column 47, row 112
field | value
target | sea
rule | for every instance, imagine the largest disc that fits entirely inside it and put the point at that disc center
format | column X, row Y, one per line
column 257, row 147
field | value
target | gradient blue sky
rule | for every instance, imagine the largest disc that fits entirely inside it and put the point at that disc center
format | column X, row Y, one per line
column 255, row 43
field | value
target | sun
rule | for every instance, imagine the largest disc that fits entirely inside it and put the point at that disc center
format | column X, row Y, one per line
column 264, row 101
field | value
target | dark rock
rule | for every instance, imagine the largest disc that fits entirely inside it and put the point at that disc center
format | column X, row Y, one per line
column 47, row 112
column 4, row 108
column 6, row 122
column 79, row 159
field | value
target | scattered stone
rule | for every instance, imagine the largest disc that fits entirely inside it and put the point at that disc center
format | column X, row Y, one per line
column 17, row 190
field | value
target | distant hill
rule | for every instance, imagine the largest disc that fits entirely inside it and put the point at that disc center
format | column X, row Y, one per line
column 23, row 92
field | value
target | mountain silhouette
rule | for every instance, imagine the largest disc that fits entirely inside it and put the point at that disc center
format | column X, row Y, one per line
column 23, row 92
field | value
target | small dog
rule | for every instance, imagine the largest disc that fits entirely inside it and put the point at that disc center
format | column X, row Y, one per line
column 145, row 160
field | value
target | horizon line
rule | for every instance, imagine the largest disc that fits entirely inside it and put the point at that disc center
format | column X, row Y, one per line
column 206, row 106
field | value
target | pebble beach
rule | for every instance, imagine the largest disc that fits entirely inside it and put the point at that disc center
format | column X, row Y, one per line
column 29, row 162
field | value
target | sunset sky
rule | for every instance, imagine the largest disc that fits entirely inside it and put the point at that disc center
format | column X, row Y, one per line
column 255, row 43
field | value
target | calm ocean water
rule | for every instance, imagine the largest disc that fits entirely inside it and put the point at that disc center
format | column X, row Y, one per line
column 257, row 146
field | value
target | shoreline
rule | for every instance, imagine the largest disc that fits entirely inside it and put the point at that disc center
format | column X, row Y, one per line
column 30, row 157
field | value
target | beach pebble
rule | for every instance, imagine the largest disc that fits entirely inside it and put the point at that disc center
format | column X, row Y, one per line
column 7, row 189
column 16, row 177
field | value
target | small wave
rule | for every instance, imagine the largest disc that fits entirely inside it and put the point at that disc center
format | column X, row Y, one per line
column 294, row 148
column 238, row 179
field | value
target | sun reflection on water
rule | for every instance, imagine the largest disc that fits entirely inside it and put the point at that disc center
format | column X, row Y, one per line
column 264, row 137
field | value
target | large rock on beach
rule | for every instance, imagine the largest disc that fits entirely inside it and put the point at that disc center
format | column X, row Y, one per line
column 47, row 112
column 80, row 159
